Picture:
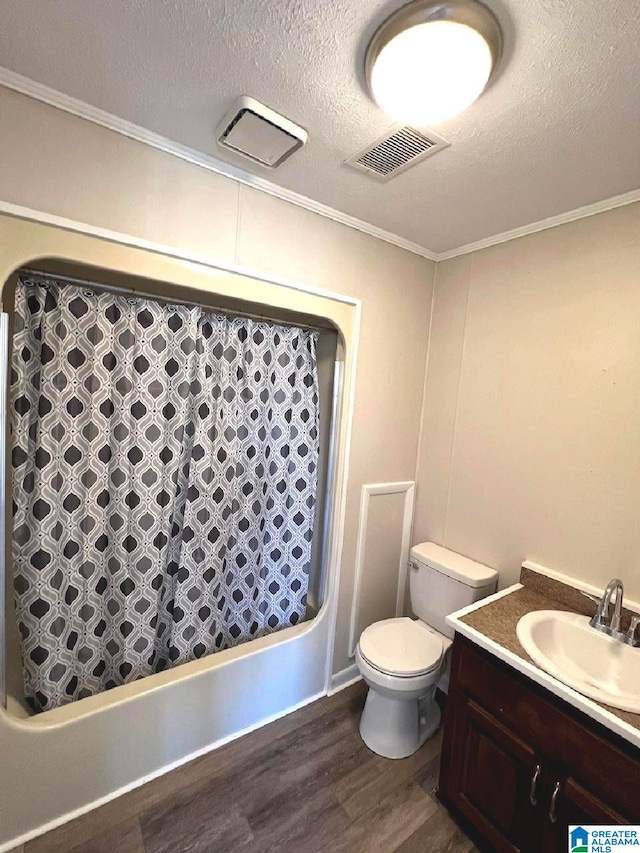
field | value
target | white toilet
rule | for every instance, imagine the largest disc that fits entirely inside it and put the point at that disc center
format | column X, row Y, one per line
column 402, row 660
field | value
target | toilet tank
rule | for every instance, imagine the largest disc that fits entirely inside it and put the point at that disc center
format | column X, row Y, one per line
column 441, row 582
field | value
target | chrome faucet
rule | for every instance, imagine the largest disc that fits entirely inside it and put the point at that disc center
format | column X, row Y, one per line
column 602, row 620
column 610, row 624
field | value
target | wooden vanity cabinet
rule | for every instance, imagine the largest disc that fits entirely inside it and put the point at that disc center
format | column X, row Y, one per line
column 574, row 805
column 519, row 765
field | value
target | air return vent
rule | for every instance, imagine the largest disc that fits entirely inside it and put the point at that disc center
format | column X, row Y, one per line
column 398, row 149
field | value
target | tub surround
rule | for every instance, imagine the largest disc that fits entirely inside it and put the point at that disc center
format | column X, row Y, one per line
column 491, row 624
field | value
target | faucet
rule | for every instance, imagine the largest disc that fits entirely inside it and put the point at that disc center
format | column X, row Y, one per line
column 601, row 620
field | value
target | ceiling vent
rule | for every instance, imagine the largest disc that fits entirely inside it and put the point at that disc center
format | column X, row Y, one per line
column 254, row 131
column 398, row 149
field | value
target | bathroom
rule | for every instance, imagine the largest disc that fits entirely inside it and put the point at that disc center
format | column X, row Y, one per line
column 478, row 390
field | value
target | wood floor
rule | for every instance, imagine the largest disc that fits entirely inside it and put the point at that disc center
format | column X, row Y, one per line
column 303, row 784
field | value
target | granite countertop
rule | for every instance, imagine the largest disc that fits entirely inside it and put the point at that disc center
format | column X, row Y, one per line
column 492, row 625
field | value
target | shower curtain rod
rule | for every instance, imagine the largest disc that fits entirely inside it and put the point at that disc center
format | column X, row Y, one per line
column 169, row 300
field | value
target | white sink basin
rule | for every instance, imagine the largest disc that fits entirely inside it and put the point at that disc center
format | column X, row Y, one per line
column 565, row 646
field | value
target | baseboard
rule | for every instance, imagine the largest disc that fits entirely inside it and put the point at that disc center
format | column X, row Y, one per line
column 76, row 813
column 344, row 678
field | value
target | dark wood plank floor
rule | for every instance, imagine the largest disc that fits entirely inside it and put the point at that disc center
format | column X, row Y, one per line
column 303, row 784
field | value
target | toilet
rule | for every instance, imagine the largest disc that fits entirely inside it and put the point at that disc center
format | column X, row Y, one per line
column 403, row 660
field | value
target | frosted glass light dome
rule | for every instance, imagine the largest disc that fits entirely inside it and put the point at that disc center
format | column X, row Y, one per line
column 430, row 61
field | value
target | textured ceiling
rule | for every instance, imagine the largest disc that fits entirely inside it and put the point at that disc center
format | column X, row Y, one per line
column 559, row 127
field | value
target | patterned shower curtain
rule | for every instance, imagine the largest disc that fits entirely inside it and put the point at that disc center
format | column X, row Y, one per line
column 164, row 484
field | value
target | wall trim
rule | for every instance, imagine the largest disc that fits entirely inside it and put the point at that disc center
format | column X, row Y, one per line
column 123, row 239
column 340, row 486
column 167, row 768
column 544, row 224
column 54, row 98
column 47, row 95
column 407, row 488
column 343, row 679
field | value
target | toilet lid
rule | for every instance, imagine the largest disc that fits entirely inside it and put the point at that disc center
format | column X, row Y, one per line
column 401, row 646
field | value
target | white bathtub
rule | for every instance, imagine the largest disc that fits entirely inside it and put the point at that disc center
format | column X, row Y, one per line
column 91, row 751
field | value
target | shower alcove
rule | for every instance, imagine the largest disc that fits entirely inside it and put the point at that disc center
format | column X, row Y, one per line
column 140, row 729
column 83, row 315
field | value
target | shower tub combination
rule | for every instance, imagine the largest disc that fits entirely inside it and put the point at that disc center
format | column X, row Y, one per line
column 174, row 493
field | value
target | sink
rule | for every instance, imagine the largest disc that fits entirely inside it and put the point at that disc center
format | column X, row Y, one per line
column 598, row 666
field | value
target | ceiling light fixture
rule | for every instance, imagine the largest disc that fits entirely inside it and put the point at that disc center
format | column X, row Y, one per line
column 430, row 60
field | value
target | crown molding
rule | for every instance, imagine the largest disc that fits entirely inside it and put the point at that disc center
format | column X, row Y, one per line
column 544, row 224
column 52, row 97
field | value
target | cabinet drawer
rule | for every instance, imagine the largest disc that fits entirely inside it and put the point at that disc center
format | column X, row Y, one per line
column 601, row 761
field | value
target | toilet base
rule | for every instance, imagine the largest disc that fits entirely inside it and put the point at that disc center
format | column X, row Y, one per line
column 396, row 728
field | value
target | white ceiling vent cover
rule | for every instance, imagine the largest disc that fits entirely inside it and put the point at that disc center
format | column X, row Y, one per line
column 256, row 132
column 398, row 149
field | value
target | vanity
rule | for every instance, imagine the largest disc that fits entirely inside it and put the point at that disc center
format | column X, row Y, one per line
column 524, row 755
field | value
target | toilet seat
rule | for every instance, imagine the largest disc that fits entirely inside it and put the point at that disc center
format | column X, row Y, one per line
column 401, row 647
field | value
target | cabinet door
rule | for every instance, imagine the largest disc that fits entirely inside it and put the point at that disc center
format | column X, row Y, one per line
column 492, row 779
column 569, row 803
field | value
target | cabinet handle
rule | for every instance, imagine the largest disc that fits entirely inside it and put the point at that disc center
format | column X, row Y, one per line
column 533, row 791
column 553, row 817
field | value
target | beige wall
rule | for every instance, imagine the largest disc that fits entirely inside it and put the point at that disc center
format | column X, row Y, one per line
column 56, row 163
column 532, row 395
column 530, row 446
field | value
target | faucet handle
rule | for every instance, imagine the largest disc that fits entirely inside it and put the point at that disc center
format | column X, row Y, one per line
column 632, row 637
column 595, row 598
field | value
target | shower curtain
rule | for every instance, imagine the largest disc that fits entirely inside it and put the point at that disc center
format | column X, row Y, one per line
column 164, row 465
